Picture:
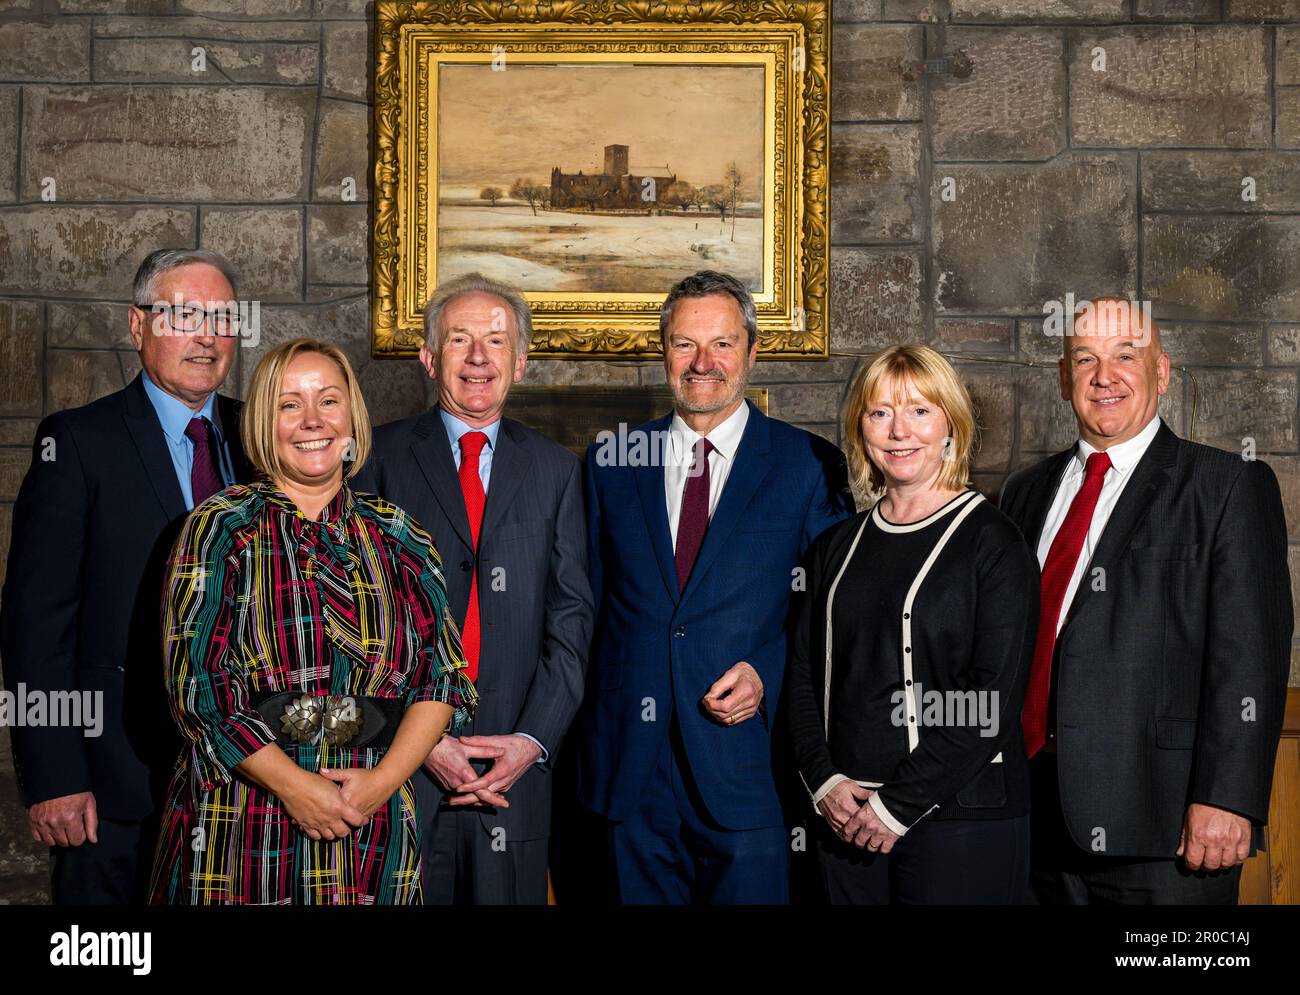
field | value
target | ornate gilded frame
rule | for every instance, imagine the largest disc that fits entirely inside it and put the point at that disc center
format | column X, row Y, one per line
column 791, row 38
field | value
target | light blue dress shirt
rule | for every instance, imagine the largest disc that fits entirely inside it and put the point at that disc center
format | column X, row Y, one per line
column 175, row 415
column 455, row 429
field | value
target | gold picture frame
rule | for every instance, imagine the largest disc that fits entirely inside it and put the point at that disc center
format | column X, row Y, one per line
column 420, row 46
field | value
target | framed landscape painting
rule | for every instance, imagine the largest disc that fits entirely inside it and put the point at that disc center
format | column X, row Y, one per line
column 593, row 153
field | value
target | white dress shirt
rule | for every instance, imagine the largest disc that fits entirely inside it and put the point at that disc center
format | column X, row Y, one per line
column 1123, row 458
column 677, row 460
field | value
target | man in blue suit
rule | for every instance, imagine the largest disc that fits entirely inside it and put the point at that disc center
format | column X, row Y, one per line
column 696, row 531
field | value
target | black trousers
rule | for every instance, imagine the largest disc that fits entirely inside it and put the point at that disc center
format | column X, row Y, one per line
column 463, row 864
column 1063, row 874
column 937, row 862
column 114, row 871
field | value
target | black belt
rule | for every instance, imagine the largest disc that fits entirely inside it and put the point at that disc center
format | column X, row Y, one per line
column 300, row 718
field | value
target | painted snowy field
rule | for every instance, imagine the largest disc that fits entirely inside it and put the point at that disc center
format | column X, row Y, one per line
column 592, row 253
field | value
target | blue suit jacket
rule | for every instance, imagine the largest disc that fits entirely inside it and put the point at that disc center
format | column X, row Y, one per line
column 656, row 652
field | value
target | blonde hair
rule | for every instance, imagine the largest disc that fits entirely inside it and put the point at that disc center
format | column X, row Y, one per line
column 262, row 407
column 889, row 374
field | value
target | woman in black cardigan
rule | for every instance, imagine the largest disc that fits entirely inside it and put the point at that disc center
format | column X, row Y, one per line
column 911, row 656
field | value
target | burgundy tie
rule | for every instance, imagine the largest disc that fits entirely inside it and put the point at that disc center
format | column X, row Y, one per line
column 204, row 478
column 694, row 519
column 1057, row 571
column 471, row 485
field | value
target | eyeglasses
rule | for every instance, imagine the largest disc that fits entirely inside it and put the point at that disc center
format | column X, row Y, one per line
column 187, row 318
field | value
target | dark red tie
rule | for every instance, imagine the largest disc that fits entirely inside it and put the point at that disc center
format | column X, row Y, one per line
column 1057, row 571
column 204, row 478
column 471, row 485
column 693, row 521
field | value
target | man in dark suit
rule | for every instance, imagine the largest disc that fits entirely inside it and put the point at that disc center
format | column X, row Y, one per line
column 109, row 485
column 504, row 506
column 694, row 553
column 1156, row 695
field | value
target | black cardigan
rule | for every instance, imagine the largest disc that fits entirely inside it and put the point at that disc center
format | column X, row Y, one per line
column 972, row 626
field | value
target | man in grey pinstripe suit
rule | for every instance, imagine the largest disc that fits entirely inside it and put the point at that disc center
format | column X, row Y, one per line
column 512, row 537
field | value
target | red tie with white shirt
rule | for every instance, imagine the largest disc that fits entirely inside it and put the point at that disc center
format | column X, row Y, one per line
column 1057, row 571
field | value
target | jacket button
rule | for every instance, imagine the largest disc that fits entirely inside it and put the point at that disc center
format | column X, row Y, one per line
column 907, row 649
column 679, row 631
column 909, row 683
column 465, row 565
column 907, row 614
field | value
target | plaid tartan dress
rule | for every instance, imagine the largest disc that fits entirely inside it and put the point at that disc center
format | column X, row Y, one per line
column 259, row 598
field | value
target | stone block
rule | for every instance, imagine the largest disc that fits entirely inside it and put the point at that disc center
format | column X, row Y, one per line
column 222, row 143
column 8, row 142
column 874, row 196
column 1038, row 10
column 1171, row 86
column 78, row 376
column 1221, row 181
column 89, row 325
column 1288, row 117
column 160, row 60
column 1287, row 70
column 1262, row 10
column 1239, row 404
column 974, row 337
column 874, row 74
column 342, row 150
column 21, row 333
column 60, row 251
column 1176, row 10
column 346, row 56
column 17, row 431
column 1284, row 345
column 1047, row 423
column 808, row 402
column 201, row 29
column 56, row 50
column 1223, row 267
column 875, row 299
column 264, row 243
column 1011, row 102
column 1213, row 345
column 1287, row 469
column 994, row 397
column 245, row 8
column 338, row 243
column 1013, row 237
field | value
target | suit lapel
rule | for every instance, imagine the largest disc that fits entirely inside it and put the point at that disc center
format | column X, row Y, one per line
column 147, row 434
column 747, row 473
column 432, row 454
column 1150, row 474
column 649, row 478
column 510, row 463
column 1039, row 499
column 229, row 411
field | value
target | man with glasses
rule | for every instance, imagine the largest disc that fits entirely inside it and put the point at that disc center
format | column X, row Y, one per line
column 108, row 487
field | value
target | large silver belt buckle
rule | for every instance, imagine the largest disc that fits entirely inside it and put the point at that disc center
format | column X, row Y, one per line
column 335, row 719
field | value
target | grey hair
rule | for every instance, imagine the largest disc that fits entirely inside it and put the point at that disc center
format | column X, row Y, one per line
column 162, row 261
column 477, row 283
column 706, row 283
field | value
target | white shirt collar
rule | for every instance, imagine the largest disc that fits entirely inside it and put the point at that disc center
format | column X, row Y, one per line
column 1125, row 455
column 725, row 436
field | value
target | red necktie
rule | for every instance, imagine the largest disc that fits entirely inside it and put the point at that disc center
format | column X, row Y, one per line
column 1057, row 571
column 693, row 521
column 471, row 485
column 204, row 479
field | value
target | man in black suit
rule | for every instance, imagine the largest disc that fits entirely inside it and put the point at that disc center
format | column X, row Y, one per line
column 1156, row 697
column 108, row 487
column 504, row 506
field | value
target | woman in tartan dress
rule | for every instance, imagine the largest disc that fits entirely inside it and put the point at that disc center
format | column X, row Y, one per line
column 297, row 584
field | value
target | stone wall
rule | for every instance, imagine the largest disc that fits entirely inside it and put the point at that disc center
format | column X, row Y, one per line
column 983, row 162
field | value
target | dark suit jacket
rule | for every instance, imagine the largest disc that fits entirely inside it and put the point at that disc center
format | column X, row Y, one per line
column 654, row 643
column 1169, row 683
column 92, row 528
column 535, row 607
